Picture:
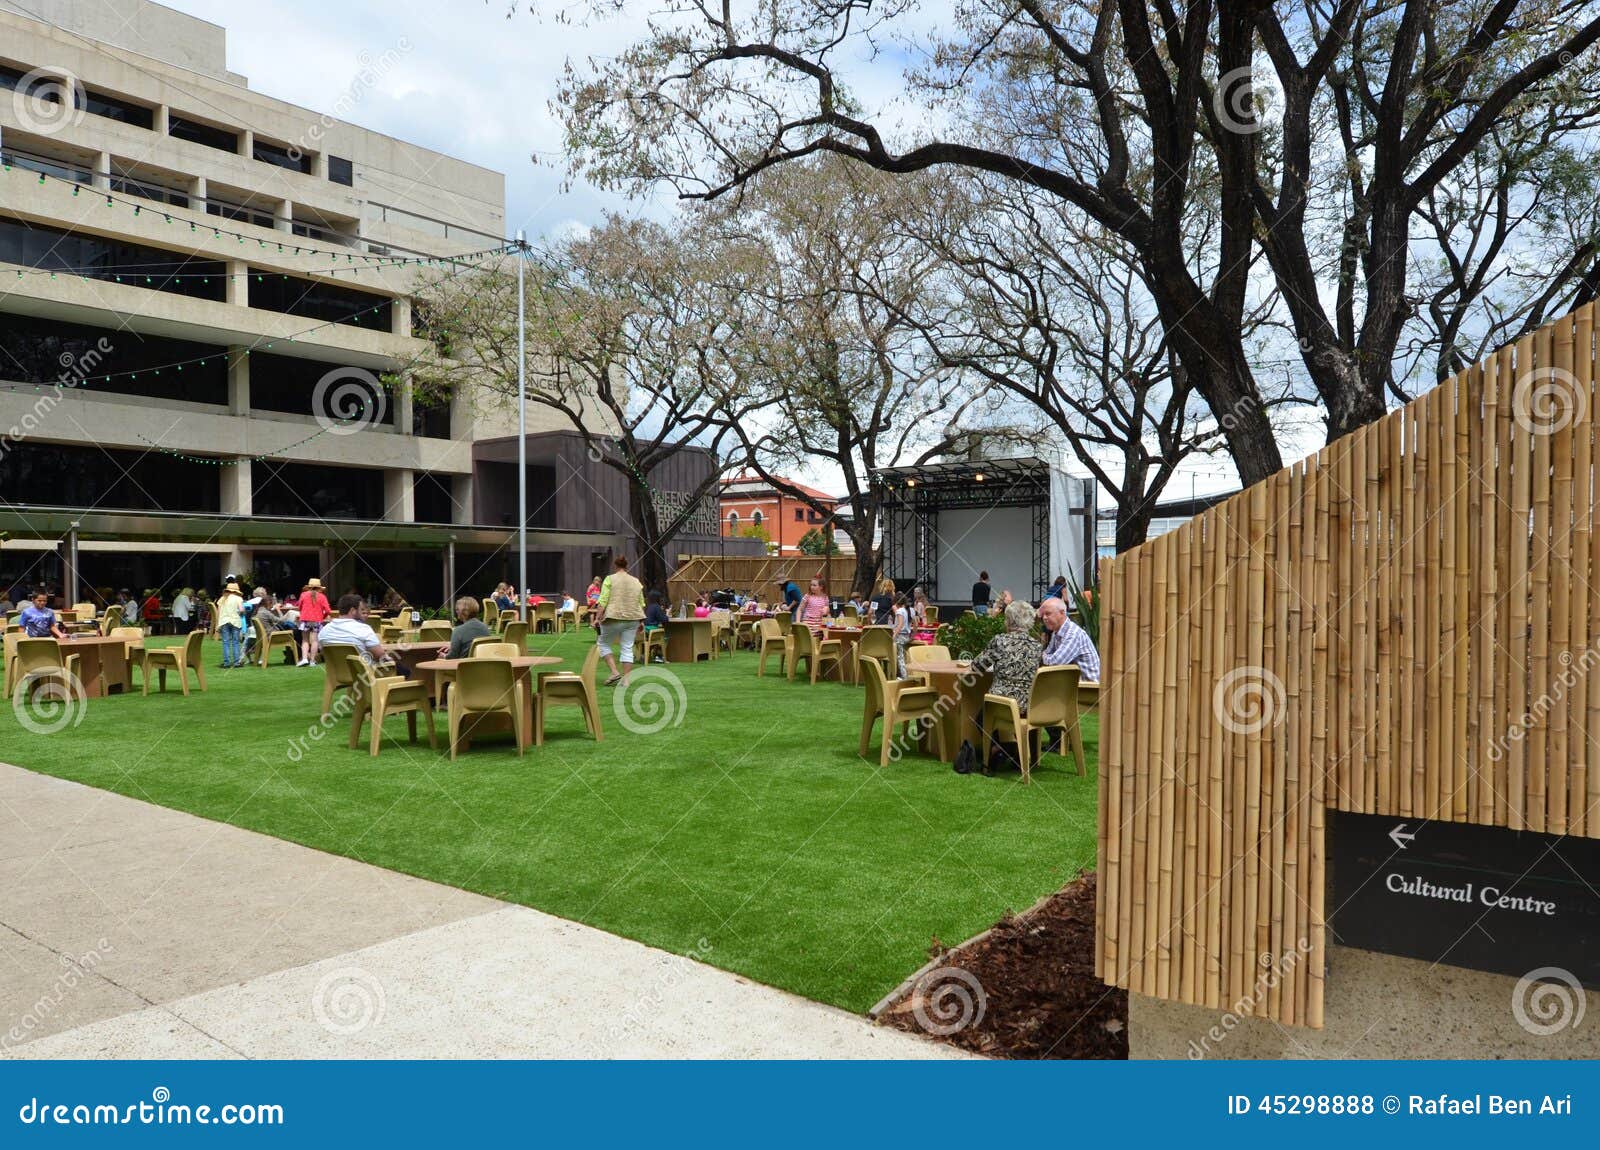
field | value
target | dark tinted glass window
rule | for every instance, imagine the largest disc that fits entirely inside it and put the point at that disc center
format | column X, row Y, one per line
column 296, row 386
column 196, row 133
column 64, row 475
column 280, row 157
column 430, row 421
column 113, row 108
column 241, row 214
column 44, row 351
column 314, row 300
column 130, row 186
column 97, row 258
column 305, row 490
column 433, row 501
column 341, row 171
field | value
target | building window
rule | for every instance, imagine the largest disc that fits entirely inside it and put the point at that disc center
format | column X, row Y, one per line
column 295, row 386
column 341, row 171
column 756, row 518
column 91, row 257
column 433, row 500
column 733, row 521
column 123, row 111
column 291, row 159
column 305, row 491
column 44, row 352
column 313, row 300
column 66, row 475
column 197, row 133
column 799, row 514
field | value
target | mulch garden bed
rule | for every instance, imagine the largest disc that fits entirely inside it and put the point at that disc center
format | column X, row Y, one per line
column 1025, row 988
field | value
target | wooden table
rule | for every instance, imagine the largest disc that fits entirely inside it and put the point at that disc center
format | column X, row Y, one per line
column 102, row 663
column 440, row 671
column 954, row 680
column 688, row 640
column 73, row 626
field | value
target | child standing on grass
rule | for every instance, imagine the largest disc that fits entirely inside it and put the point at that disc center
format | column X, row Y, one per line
column 230, row 622
column 902, row 634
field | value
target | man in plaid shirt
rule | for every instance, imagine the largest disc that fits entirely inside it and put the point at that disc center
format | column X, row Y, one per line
column 1066, row 642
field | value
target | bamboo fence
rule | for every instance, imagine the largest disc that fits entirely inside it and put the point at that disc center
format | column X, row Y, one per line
column 1402, row 624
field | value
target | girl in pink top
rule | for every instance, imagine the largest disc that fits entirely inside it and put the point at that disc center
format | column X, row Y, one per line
column 314, row 611
column 815, row 606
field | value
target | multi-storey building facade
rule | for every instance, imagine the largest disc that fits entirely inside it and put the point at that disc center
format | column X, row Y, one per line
column 199, row 285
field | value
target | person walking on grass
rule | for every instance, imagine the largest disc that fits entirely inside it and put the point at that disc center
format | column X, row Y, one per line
column 230, row 624
column 314, row 612
column 617, row 617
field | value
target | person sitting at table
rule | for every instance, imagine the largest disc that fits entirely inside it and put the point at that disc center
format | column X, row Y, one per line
column 150, row 610
column 130, row 607
column 351, row 626
column 39, row 621
column 998, row 607
column 919, row 606
column 816, row 606
column 468, row 627
column 273, row 620
column 568, row 603
column 655, row 615
column 752, row 606
column 1013, row 656
column 1066, row 643
column 592, row 595
column 702, row 609
column 393, row 600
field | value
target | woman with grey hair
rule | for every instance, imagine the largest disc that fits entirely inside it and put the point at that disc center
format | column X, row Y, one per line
column 1013, row 655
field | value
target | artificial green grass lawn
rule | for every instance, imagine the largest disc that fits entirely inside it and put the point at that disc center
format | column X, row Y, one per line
column 751, row 834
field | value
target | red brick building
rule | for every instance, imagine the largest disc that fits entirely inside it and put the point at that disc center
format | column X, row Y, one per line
column 748, row 499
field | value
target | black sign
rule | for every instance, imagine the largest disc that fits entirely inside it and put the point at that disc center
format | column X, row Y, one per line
column 1485, row 898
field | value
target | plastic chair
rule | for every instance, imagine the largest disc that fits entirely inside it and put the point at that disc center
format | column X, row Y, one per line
column 652, row 641
column 931, row 614
column 516, row 633
column 133, row 645
column 850, row 614
column 112, row 619
column 492, row 647
column 770, row 638
column 785, row 621
column 544, row 617
column 489, row 612
column 485, row 687
column 564, row 689
column 32, row 660
column 434, row 631
column 182, row 659
column 390, row 633
column 566, row 621
column 270, row 641
column 1055, row 693
column 336, row 671
column 84, row 612
column 924, row 653
column 896, row 702
column 379, row 696
column 816, row 653
column 722, row 633
column 876, row 643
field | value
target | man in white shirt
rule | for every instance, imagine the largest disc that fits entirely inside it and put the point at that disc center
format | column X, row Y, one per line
column 351, row 627
column 1066, row 642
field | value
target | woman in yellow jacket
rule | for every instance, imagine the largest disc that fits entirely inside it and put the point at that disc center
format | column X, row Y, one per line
column 618, row 615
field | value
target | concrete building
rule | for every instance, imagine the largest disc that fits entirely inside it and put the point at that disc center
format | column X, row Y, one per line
column 198, row 286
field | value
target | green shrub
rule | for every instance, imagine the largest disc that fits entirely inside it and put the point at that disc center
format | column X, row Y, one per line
column 969, row 634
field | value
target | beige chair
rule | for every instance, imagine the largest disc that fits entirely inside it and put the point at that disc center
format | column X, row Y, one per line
column 924, row 653
column 133, row 646
column 112, row 619
column 876, row 643
column 184, row 658
column 270, row 641
column 34, row 661
column 391, row 633
column 564, row 689
column 566, row 621
column 896, row 702
column 516, row 633
column 434, row 631
column 850, row 614
column 489, row 612
column 722, row 633
column 493, row 647
column 484, row 687
column 544, row 617
column 815, row 653
column 651, row 641
column 379, row 696
column 336, row 671
column 931, row 615
column 770, row 638
column 1052, row 702
column 84, row 612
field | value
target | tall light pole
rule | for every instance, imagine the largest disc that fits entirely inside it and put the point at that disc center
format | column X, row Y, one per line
column 522, row 433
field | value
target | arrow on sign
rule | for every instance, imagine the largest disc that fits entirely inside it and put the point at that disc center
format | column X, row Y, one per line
column 1400, row 836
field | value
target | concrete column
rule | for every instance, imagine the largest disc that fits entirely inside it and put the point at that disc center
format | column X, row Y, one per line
column 462, row 496
column 238, row 490
column 400, row 315
column 283, row 216
column 399, row 495
column 69, row 568
column 247, row 143
column 403, row 410
column 238, row 283
column 319, row 165
column 161, row 119
column 450, row 574
column 102, row 170
column 197, row 193
column 239, row 383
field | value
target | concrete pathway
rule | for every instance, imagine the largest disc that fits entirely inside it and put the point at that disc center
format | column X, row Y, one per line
column 131, row 931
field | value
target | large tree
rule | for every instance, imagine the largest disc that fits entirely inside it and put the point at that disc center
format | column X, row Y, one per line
column 624, row 335
column 1124, row 109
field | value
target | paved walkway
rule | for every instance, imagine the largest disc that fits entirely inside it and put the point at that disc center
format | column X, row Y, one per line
column 131, row 931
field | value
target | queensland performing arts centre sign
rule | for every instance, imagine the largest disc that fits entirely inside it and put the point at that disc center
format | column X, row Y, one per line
column 1480, row 897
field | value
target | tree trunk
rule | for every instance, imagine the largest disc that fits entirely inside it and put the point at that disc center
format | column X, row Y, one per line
column 652, row 566
column 1134, row 512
